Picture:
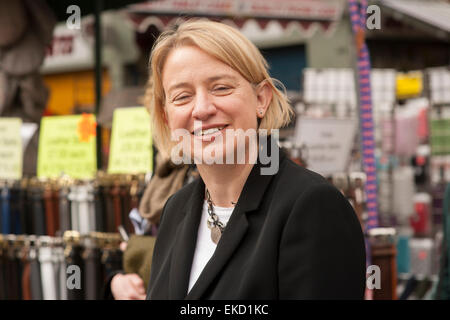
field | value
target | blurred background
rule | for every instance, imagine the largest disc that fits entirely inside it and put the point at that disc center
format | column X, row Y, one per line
column 377, row 86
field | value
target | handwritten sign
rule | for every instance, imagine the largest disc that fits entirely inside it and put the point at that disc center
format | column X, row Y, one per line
column 328, row 143
column 10, row 148
column 66, row 147
column 131, row 142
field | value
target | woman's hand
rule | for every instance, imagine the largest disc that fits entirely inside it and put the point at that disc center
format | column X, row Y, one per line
column 127, row 287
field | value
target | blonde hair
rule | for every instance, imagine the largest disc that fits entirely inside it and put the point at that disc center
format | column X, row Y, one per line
column 227, row 45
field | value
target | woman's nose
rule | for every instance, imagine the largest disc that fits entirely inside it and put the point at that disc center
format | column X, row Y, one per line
column 204, row 107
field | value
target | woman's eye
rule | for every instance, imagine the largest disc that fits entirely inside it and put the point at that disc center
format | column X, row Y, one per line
column 181, row 98
column 222, row 89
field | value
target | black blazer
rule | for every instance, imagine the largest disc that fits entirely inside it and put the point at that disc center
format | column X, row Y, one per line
column 292, row 235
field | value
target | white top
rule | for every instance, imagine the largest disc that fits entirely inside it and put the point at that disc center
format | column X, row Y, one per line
column 205, row 247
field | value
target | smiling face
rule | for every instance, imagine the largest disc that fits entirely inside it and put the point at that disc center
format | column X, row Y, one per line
column 206, row 97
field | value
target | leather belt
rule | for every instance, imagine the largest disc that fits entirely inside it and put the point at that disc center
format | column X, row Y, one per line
column 6, row 212
column 14, row 275
column 38, row 214
column 110, row 224
column 73, row 257
column 84, row 213
column 50, row 214
column 74, row 213
column 126, row 207
column 61, row 277
column 47, row 273
column 64, row 210
column 26, row 275
column 93, row 273
column 115, row 194
column 99, row 202
column 3, row 259
column 14, row 204
column 23, row 204
column 35, row 276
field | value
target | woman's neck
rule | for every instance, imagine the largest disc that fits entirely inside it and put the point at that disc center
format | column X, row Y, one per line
column 224, row 181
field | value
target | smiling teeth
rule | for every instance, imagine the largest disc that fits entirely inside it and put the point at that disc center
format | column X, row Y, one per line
column 208, row 131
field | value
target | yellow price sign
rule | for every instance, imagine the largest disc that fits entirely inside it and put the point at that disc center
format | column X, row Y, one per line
column 409, row 84
column 131, row 142
column 10, row 148
column 67, row 145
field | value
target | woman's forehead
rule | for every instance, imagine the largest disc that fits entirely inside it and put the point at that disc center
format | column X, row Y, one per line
column 188, row 63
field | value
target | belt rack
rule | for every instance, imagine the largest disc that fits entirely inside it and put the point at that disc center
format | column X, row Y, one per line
column 61, row 204
column 101, row 240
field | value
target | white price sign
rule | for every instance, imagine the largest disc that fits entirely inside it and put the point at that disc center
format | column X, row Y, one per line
column 328, row 142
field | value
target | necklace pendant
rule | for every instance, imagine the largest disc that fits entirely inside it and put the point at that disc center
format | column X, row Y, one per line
column 215, row 234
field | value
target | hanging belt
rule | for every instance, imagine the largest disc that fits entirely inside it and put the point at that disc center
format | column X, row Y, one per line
column 55, row 203
column 115, row 194
column 83, row 209
column 91, row 208
column 39, row 221
column 23, row 203
column 61, row 274
column 93, row 273
column 64, row 210
column 27, row 207
column 49, row 211
column 26, row 275
column 126, row 207
column 16, row 225
column 47, row 273
column 74, row 212
column 110, row 221
column 99, row 202
column 13, row 275
column 2, row 272
column 6, row 211
column 73, row 257
column 35, row 276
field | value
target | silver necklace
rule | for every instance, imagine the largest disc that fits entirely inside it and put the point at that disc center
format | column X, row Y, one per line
column 213, row 222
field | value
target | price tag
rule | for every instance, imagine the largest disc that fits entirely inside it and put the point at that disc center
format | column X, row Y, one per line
column 67, row 145
column 131, row 142
column 10, row 148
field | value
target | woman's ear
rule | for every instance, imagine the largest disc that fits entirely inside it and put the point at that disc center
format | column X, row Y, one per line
column 264, row 96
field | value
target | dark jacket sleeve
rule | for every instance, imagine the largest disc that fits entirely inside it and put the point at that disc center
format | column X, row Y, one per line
column 107, row 293
column 159, row 250
column 322, row 251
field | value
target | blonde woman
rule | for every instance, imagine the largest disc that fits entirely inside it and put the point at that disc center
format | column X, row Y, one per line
column 254, row 225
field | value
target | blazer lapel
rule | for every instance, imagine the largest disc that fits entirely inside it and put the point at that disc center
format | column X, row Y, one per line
column 185, row 242
column 186, row 237
column 228, row 243
column 251, row 196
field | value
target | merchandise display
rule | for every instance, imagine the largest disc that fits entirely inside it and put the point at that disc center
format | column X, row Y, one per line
column 35, row 207
column 72, row 267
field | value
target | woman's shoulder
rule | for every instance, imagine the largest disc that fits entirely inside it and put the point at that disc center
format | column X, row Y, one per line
column 295, row 184
column 299, row 179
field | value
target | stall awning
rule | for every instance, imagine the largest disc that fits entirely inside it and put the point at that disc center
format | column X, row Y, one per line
column 430, row 15
column 306, row 16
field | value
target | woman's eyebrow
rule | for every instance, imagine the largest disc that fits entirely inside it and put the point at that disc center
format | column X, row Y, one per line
column 177, row 85
column 208, row 80
column 222, row 76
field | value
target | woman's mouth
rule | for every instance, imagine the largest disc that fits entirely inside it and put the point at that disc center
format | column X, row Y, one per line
column 208, row 134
